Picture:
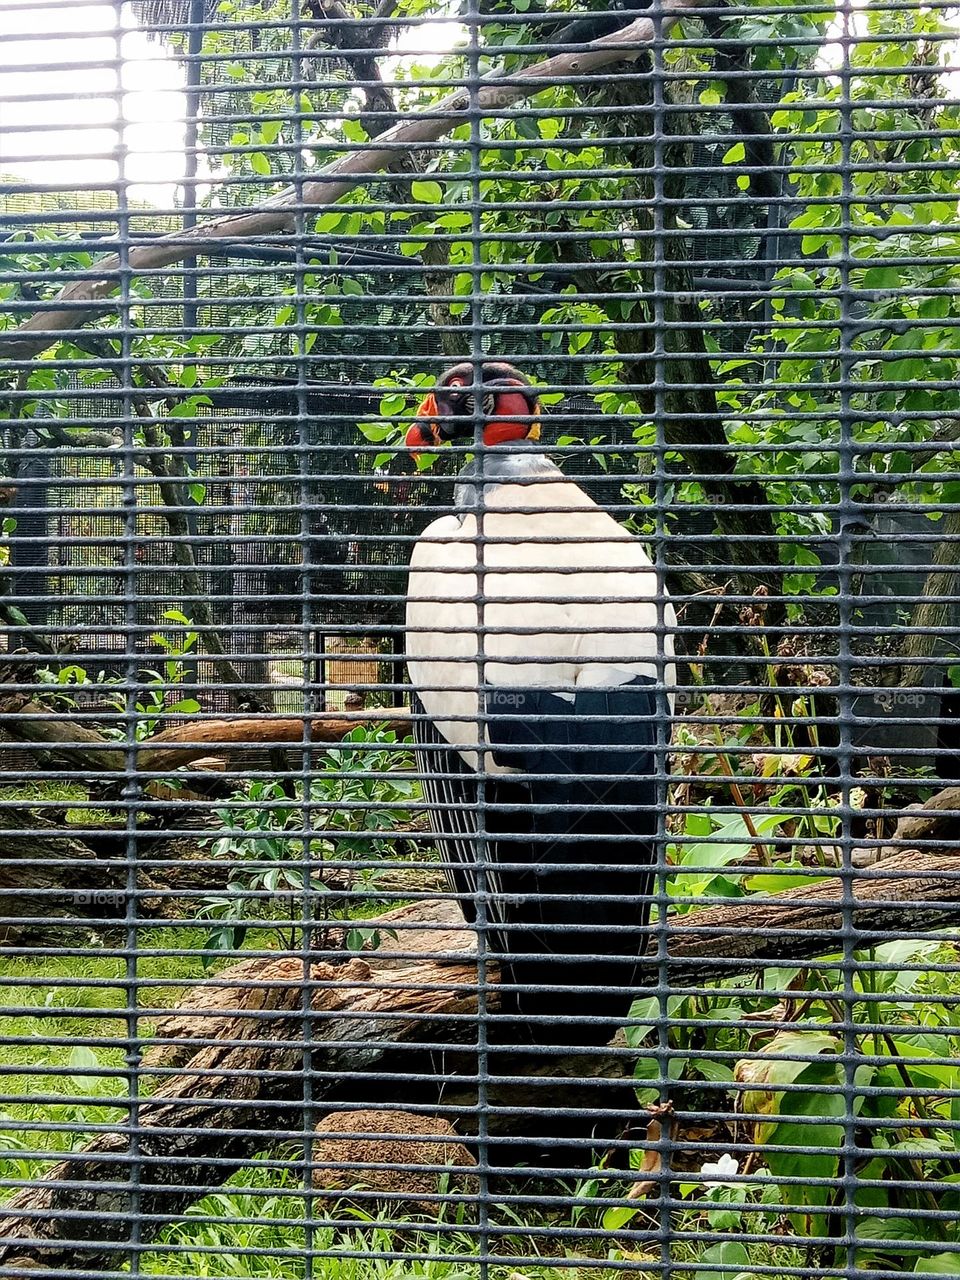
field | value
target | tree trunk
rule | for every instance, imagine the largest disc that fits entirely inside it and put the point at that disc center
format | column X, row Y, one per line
column 933, row 625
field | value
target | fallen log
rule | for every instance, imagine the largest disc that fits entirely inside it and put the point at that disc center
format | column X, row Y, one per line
column 389, row 1028
column 64, row 737
column 935, row 821
column 938, row 818
column 231, row 1095
column 52, row 880
column 45, row 873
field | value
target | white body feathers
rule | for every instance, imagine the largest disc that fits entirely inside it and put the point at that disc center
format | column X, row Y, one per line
column 569, row 600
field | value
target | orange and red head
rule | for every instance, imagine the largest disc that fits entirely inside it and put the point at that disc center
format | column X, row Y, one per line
column 510, row 407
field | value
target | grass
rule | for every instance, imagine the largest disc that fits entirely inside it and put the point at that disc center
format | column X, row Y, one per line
column 64, row 1041
column 60, row 794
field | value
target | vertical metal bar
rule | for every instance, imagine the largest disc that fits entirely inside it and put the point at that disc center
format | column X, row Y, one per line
column 193, row 104
column 191, row 276
column 132, row 788
column 661, row 378
column 475, row 148
column 307, row 662
column 849, row 522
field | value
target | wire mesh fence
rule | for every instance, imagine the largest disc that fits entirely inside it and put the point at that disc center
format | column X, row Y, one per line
column 479, row 691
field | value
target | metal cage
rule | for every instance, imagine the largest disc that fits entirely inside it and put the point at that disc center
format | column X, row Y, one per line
column 479, row 670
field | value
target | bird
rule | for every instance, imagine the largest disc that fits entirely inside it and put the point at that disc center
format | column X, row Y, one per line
column 540, row 658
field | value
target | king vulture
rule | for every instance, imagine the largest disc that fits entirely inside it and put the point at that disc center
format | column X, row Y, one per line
column 555, row 660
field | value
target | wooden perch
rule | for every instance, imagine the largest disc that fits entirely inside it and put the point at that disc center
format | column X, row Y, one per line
column 495, row 92
column 935, row 821
column 240, row 1087
column 63, row 736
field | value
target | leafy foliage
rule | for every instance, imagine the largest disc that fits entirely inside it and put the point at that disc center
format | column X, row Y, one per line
column 285, row 848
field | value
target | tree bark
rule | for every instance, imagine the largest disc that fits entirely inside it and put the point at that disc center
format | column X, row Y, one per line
column 184, row 743
column 389, row 1029
column 63, row 735
column 933, row 625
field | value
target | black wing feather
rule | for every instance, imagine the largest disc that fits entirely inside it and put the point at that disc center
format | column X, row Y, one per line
column 570, row 849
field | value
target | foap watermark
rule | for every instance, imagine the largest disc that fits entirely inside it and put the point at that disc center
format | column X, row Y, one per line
column 98, row 897
column 501, row 698
column 889, row 700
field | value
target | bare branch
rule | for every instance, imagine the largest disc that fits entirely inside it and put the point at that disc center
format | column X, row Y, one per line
column 84, row 747
column 78, row 302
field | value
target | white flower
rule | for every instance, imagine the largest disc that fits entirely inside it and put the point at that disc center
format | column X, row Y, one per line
column 725, row 1166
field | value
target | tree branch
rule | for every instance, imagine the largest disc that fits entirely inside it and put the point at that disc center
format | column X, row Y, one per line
column 85, row 747
column 83, row 299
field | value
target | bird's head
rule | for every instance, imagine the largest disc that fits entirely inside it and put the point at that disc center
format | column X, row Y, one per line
column 511, row 408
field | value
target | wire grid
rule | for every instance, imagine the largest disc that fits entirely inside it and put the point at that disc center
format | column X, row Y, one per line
column 272, row 1005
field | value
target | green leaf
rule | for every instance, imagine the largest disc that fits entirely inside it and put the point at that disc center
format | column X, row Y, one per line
column 771, row 1072
column 727, row 1254
column 903, row 1230
column 776, row 884
column 941, row 1264
column 645, row 1014
column 709, row 1069
column 698, row 824
column 353, row 130
column 817, row 1153
column 713, row 855
column 735, row 154
column 427, row 192
column 329, row 222
column 83, row 1058
column 614, row 1219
